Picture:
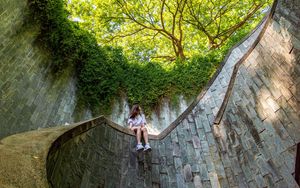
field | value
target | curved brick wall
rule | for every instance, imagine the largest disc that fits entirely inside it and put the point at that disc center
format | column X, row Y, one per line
column 261, row 124
column 30, row 96
column 244, row 137
column 252, row 143
column 99, row 157
column 41, row 99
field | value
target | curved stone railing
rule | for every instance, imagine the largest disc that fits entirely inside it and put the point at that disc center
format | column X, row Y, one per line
column 237, row 65
column 96, row 153
column 26, row 158
column 23, row 157
column 251, row 144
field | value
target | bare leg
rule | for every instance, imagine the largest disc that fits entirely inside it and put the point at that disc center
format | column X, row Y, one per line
column 138, row 135
column 145, row 135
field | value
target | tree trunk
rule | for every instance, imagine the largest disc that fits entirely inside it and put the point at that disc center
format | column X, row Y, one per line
column 212, row 44
column 180, row 52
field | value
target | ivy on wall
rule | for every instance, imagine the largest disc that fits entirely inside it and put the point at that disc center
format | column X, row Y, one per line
column 104, row 73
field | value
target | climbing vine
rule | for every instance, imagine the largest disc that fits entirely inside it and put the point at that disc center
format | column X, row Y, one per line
column 104, row 73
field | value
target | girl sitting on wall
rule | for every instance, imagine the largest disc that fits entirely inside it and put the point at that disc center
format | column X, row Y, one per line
column 137, row 123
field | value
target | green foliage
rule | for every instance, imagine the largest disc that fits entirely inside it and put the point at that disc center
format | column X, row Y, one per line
column 143, row 83
column 101, row 78
column 158, row 29
column 146, row 83
column 69, row 44
column 104, row 73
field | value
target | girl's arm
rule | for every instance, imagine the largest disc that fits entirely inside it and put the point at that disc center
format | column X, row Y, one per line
column 144, row 122
column 130, row 125
column 129, row 122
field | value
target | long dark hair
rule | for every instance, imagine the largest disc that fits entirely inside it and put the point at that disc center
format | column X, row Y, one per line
column 135, row 110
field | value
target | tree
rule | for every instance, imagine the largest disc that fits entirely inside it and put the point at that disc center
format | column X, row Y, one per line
column 219, row 19
column 166, row 29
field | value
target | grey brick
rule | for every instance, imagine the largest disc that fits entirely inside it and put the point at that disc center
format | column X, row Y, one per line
column 187, row 170
column 197, row 182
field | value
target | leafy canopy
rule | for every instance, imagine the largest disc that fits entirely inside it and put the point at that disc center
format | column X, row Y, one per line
column 165, row 29
column 117, row 46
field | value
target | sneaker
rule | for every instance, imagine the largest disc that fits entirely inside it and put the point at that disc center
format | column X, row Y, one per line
column 139, row 147
column 147, row 147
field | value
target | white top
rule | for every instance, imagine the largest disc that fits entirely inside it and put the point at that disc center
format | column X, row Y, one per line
column 139, row 120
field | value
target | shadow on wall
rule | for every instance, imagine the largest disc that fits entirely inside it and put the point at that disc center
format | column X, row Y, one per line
column 261, row 125
column 30, row 97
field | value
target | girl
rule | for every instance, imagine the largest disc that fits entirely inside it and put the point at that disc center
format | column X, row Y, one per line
column 137, row 123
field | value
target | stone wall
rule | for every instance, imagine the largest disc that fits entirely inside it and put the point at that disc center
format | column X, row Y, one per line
column 253, row 145
column 159, row 119
column 30, row 96
column 261, row 125
column 93, row 159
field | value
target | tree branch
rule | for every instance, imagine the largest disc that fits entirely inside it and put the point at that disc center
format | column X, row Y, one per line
column 240, row 24
column 161, row 14
column 125, row 35
column 167, row 57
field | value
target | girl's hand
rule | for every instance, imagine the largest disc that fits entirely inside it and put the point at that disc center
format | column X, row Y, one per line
column 130, row 126
column 133, row 128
